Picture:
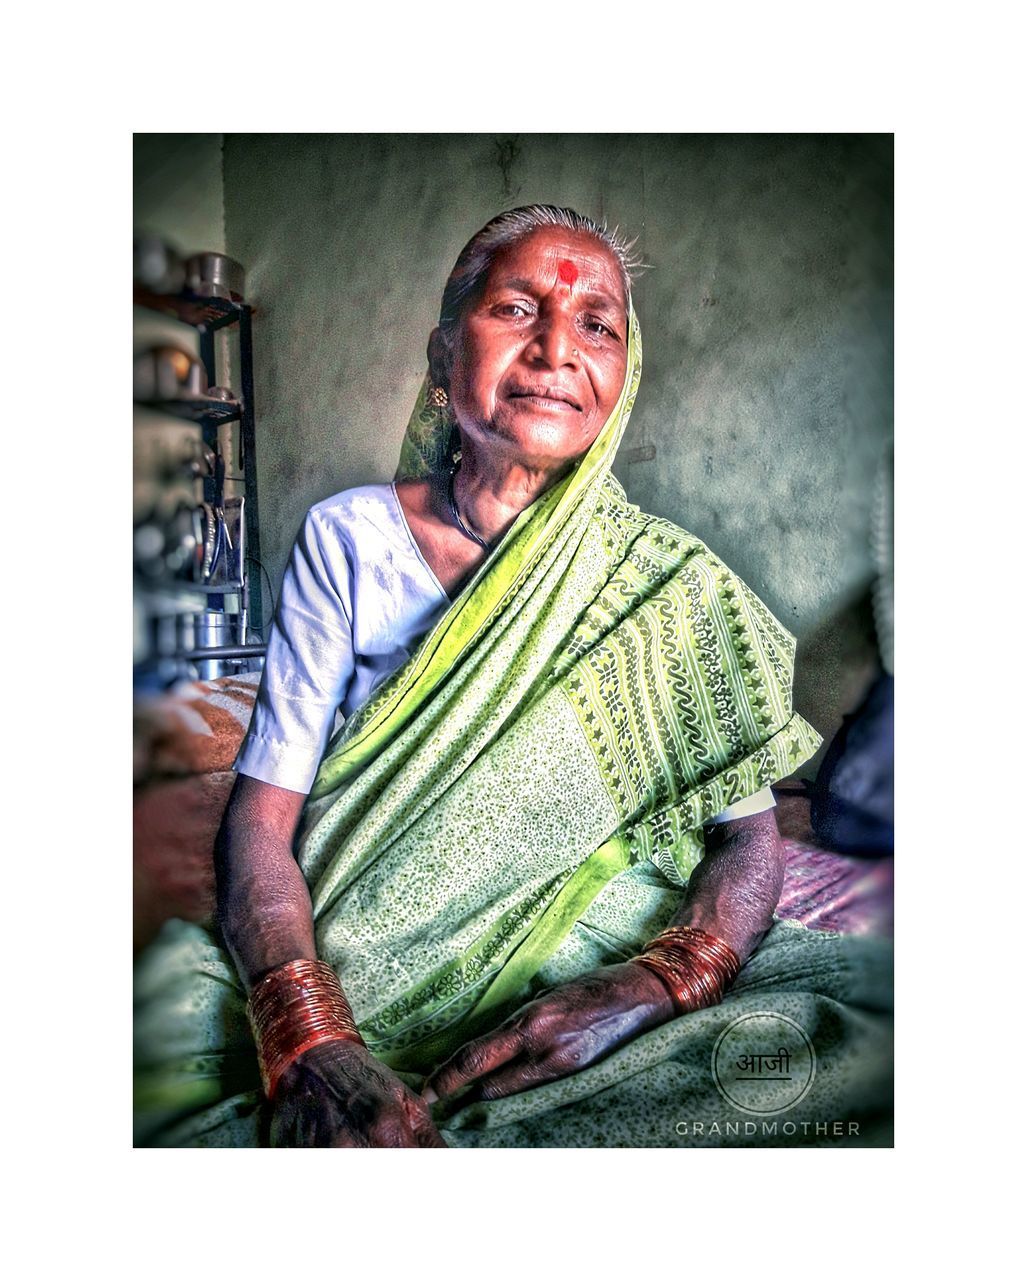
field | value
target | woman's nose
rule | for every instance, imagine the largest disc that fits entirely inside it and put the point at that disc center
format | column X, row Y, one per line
column 554, row 341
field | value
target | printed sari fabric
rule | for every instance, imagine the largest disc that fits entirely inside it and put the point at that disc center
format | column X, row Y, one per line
column 521, row 802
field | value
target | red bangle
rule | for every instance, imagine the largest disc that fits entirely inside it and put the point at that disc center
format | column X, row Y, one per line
column 294, row 1007
column 695, row 967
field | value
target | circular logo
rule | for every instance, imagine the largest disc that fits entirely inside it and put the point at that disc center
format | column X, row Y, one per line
column 763, row 1063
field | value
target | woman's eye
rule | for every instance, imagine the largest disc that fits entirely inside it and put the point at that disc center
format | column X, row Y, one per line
column 598, row 326
column 516, row 310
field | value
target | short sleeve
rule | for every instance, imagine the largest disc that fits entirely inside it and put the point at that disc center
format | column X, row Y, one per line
column 309, row 663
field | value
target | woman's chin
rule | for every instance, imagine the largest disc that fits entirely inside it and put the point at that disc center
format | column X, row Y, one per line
column 538, row 441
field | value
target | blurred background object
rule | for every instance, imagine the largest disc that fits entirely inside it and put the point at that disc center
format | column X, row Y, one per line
column 215, row 275
column 167, row 373
column 156, row 266
column 195, row 519
column 853, row 795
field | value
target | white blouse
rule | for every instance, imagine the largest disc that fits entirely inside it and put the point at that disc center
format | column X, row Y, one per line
column 356, row 598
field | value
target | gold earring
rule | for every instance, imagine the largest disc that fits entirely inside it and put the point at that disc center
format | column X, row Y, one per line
column 438, row 398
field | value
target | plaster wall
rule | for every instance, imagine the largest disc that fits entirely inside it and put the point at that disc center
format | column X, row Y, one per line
column 765, row 314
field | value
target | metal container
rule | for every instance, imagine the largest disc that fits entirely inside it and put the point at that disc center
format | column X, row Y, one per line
column 212, row 631
column 215, row 275
column 156, row 265
column 167, row 373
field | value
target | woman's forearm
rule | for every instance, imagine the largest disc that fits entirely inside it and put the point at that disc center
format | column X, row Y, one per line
column 263, row 904
column 734, row 891
column 326, row 1088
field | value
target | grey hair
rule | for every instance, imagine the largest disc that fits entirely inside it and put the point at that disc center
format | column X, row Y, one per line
column 474, row 263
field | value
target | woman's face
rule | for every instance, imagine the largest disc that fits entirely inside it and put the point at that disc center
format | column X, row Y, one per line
column 540, row 358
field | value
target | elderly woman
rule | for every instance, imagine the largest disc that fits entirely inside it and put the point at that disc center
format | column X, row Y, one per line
column 504, row 902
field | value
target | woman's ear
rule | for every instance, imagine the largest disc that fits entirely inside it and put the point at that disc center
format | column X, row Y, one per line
column 439, row 359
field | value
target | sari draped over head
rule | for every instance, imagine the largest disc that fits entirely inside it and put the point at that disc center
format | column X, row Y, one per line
column 520, row 802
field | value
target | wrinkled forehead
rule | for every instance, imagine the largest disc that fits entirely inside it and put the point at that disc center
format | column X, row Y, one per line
column 567, row 259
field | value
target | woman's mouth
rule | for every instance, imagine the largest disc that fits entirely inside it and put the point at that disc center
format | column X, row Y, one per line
column 546, row 397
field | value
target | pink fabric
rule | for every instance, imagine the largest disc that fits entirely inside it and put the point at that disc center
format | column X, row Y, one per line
column 825, row 890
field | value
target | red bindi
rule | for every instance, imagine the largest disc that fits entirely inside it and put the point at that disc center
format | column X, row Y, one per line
column 567, row 272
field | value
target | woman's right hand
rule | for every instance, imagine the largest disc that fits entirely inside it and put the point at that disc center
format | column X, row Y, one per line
column 338, row 1095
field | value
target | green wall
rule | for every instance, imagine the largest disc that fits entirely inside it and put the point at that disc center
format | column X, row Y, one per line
column 766, row 322
column 178, row 190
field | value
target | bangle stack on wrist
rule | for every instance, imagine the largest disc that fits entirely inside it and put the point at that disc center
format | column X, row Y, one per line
column 695, row 967
column 293, row 1008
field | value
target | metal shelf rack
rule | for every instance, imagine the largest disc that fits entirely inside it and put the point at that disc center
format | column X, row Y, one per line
column 208, row 316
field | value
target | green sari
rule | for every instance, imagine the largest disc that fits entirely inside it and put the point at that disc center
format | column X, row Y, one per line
column 519, row 803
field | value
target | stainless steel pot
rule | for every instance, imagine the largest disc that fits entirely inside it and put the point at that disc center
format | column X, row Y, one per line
column 215, row 275
column 156, row 265
column 167, row 373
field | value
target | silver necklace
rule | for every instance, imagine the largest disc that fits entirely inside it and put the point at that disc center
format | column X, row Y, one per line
column 451, row 498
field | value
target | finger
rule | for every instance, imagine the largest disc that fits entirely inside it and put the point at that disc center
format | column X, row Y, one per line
column 280, row 1132
column 522, row 1075
column 304, row 1127
column 394, row 1132
column 345, row 1137
column 427, row 1135
column 475, row 1059
column 292, row 1125
column 425, row 1132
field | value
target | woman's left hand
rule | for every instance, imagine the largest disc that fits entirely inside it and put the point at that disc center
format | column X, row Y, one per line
column 560, row 1032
